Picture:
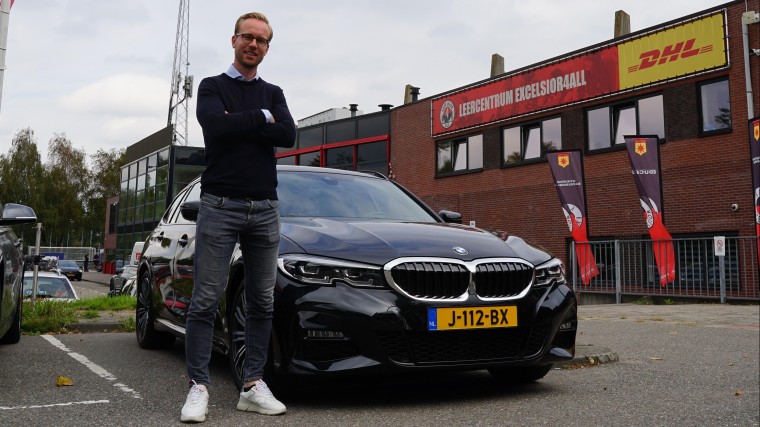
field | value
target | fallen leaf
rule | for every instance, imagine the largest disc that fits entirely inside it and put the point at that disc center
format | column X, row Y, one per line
column 738, row 393
column 655, row 358
column 63, row 381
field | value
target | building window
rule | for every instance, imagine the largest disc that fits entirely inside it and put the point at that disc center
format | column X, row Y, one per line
column 531, row 141
column 607, row 126
column 715, row 106
column 459, row 155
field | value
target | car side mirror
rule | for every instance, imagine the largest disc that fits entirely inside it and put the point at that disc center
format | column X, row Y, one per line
column 190, row 210
column 451, row 217
column 13, row 213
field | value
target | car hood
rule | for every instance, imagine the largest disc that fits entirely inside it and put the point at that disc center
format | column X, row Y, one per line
column 380, row 242
column 68, row 269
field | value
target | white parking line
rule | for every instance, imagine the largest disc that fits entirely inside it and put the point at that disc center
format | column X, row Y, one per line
column 86, row 402
column 99, row 371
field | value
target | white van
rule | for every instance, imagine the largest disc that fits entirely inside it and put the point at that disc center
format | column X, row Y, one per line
column 134, row 258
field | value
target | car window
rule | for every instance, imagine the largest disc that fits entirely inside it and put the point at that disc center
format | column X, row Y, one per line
column 330, row 195
column 67, row 263
column 173, row 213
column 193, row 194
column 50, row 287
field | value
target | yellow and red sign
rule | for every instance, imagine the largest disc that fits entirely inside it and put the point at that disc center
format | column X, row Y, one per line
column 692, row 47
column 563, row 160
column 640, row 146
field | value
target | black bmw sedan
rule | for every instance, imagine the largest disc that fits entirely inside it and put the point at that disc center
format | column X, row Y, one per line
column 371, row 280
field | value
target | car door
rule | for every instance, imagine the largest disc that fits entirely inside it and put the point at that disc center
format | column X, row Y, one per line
column 181, row 287
column 160, row 252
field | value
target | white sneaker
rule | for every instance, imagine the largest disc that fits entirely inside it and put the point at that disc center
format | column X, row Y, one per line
column 260, row 399
column 196, row 405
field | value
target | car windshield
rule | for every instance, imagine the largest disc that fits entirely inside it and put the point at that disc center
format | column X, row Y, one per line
column 67, row 263
column 332, row 195
column 49, row 287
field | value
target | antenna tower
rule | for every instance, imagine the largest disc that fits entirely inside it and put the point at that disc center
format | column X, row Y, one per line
column 182, row 82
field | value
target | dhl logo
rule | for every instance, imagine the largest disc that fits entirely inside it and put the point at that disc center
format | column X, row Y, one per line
column 669, row 53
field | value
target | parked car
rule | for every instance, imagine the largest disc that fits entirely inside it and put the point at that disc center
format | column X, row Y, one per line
column 11, row 270
column 123, row 283
column 371, row 280
column 51, row 286
column 70, row 269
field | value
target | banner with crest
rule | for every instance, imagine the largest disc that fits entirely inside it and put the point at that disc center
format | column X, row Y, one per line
column 567, row 170
column 644, row 154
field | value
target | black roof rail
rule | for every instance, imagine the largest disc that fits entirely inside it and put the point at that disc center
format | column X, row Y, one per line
column 372, row 172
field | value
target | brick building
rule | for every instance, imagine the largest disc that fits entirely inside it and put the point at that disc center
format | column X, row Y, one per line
column 481, row 149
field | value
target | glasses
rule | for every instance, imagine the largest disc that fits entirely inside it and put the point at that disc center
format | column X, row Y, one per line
column 248, row 38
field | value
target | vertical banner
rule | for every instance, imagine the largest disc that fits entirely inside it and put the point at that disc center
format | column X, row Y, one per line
column 754, row 156
column 644, row 154
column 567, row 170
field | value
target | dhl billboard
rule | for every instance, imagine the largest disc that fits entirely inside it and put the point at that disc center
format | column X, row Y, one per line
column 677, row 51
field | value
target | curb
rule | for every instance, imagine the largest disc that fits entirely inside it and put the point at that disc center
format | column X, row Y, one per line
column 588, row 354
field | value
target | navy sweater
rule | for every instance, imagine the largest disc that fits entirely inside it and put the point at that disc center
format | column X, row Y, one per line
column 240, row 159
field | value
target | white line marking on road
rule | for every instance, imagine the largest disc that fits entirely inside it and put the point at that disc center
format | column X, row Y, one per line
column 86, row 402
column 92, row 366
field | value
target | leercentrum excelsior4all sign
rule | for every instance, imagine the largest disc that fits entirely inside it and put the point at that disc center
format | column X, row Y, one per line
column 675, row 51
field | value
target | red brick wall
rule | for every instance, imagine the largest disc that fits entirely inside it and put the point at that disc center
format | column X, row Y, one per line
column 702, row 176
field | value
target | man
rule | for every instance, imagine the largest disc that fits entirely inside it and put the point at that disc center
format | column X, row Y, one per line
column 243, row 119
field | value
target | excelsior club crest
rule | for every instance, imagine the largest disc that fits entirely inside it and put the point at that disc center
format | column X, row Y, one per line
column 446, row 115
column 640, row 145
column 563, row 160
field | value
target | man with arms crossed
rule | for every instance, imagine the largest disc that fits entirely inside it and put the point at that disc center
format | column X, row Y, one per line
column 243, row 119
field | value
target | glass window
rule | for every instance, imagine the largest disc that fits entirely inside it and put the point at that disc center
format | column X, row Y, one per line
column 340, row 131
column 608, row 125
column 309, row 159
column 625, row 123
column 340, row 158
column 163, row 158
column 460, row 155
column 150, row 179
column 651, row 114
column 133, row 170
column 551, row 132
column 310, row 137
column 152, row 161
column 531, row 140
column 475, row 152
column 443, row 157
column 373, row 126
column 125, row 173
column 598, row 128
column 140, row 183
column 142, row 166
column 512, row 145
column 372, row 156
column 715, row 106
column 193, row 194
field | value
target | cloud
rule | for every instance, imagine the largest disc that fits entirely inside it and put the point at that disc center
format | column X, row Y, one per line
column 122, row 95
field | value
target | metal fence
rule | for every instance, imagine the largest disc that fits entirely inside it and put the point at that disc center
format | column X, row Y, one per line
column 628, row 268
column 75, row 253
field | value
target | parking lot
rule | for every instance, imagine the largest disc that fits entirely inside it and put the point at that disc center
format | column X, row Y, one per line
column 676, row 367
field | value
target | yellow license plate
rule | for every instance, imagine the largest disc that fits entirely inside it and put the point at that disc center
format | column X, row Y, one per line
column 441, row 319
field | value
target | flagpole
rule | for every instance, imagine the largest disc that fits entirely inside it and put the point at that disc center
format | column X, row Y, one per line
column 5, row 11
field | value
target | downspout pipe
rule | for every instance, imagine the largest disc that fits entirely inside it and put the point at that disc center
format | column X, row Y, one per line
column 750, row 17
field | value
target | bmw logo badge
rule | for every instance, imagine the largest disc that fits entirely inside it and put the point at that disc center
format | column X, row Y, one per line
column 459, row 250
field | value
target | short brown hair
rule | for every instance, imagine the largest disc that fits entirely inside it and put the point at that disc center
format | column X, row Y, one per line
column 253, row 15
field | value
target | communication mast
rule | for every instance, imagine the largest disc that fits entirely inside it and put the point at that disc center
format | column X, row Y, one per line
column 182, row 82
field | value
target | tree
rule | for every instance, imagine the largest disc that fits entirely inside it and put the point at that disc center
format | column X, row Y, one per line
column 69, row 181
column 104, row 183
column 21, row 171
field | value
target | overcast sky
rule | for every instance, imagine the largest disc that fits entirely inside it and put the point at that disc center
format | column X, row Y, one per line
column 100, row 71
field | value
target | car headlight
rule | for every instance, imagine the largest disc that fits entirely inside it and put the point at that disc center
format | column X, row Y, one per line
column 550, row 271
column 314, row 270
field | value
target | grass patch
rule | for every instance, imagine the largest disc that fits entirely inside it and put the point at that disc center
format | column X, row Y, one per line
column 56, row 316
column 129, row 324
column 105, row 303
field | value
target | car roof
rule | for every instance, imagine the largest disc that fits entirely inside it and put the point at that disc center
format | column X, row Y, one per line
column 45, row 274
column 319, row 169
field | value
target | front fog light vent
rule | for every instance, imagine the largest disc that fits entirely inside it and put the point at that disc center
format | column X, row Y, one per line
column 324, row 335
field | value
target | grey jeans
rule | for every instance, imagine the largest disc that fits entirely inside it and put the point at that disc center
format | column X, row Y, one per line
column 221, row 223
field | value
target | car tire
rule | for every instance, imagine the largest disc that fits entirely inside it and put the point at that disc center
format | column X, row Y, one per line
column 520, row 374
column 13, row 335
column 147, row 336
column 280, row 384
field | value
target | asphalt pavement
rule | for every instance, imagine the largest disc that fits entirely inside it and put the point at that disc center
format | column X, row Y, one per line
column 731, row 316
